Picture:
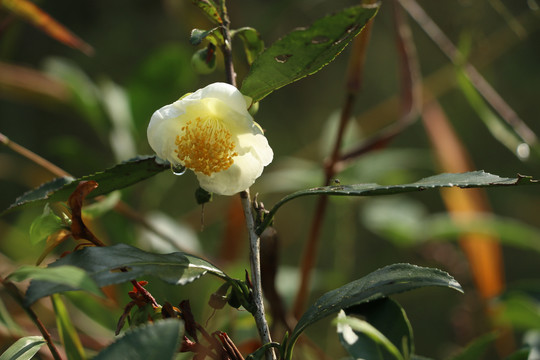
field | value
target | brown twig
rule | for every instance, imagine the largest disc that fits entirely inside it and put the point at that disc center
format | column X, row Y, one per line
column 33, row 156
column 411, row 96
column 254, row 240
column 14, row 292
column 479, row 82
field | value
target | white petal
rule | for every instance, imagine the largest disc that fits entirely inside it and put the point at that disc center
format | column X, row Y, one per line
column 240, row 176
column 224, row 92
column 164, row 125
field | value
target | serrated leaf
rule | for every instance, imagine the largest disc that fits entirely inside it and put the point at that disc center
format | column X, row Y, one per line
column 159, row 340
column 253, row 44
column 471, row 179
column 66, row 275
column 209, row 8
column 381, row 283
column 389, row 318
column 117, row 177
column 24, row 348
column 358, row 335
column 68, row 335
column 303, row 52
column 102, row 264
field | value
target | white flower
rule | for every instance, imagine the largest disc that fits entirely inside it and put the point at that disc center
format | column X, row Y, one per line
column 211, row 132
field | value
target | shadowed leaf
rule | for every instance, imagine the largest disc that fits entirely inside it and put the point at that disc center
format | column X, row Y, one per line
column 152, row 341
column 120, row 176
column 381, row 283
column 103, row 265
column 473, row 179
column 303, row 52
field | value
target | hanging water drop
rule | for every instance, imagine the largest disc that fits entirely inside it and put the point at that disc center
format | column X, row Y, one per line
column 178, row 169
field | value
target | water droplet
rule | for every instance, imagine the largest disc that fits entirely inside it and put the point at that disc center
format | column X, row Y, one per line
column 178, row 169
column 282, row 58
column 533, row 5
column 320, row 39
column 523, row 151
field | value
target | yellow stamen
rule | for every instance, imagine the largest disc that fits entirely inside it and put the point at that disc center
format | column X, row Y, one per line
column 205, row 146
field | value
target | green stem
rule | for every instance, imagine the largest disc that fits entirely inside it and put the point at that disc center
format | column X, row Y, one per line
column 254, row 240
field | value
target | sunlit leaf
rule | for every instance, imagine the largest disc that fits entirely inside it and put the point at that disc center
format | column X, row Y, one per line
column 43, row 21
column 389, row 318
column 381, row 283
column 24, row 348
column 68, row 335
column 103, row 265
column 120, row 176
column 210, row 10
column 69, row 276
column 355, row 334
column 304, row 51
column 472, row 179
column 45, row 225
column 152, row 341
column 198, row 35
column 253, row 44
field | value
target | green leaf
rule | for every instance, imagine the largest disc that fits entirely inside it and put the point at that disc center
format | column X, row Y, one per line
column 389, row 318
column 103, row 206
column 24, row 348
column 198, row 35
column 493, row 123
column 68, row 334
column 103, row 265
column 381, row 283
column 118, row 177
column 303, row 52
column 520, row 310
column 358, row 335
column 407, row 223
column 71, row 277
column 43, row 226
column 253, row 44
column 210, row 10
column 159, row 340
column 472, row 179
column 477, row 348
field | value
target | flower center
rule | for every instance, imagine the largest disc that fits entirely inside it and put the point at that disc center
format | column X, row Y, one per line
column 205, row 146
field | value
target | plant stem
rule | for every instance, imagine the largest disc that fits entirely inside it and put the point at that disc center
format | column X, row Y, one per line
column 255, row 260
column 254, row 240
column 14, row 292
column 353, row 85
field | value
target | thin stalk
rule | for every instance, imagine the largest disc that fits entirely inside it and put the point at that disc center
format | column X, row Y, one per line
column 254, row 240
column 479, row 82
column 255, row 261
column 14, row 292
column 33, row 156
column 353, row 85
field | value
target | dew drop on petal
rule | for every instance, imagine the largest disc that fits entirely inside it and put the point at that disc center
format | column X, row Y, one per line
column 178, row 169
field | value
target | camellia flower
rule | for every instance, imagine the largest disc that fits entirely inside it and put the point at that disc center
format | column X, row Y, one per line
column 212, row 133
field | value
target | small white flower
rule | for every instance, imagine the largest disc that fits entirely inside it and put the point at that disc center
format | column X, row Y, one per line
column 212, row 133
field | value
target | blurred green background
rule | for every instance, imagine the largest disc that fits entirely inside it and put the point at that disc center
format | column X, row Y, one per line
column 96, row 109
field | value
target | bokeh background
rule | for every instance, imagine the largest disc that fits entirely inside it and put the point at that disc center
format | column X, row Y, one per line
column 87, row 113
